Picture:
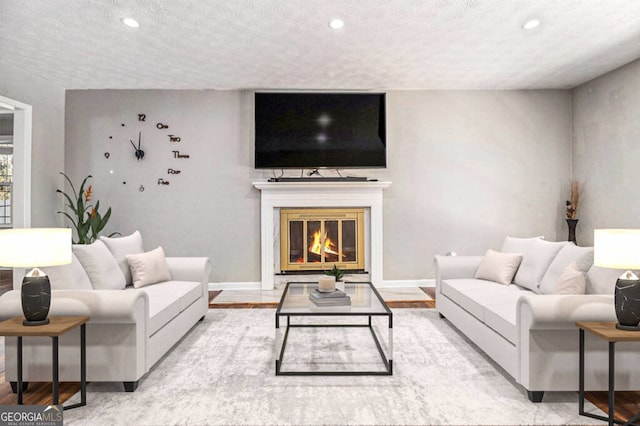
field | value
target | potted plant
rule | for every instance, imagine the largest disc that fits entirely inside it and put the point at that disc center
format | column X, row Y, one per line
column 86, row 219
column 337, row 273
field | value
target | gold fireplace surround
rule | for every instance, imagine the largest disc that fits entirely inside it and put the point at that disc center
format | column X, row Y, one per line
column 317, row 239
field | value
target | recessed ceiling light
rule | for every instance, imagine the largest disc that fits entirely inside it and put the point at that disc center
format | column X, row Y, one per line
column 336, row 24
column 531, row 24
column 130, row 22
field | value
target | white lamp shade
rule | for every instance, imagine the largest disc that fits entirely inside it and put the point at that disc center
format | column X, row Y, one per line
column 617, row 248
column 35, row 247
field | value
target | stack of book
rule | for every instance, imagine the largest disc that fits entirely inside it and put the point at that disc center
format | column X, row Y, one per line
column 335, row 298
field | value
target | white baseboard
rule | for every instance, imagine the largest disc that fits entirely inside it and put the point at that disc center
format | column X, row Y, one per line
column 255, row 285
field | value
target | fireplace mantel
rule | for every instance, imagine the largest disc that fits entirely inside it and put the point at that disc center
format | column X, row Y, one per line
column 319, row 194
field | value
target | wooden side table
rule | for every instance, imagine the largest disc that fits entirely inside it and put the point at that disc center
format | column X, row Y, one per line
column 57, row 326
column 606, row 331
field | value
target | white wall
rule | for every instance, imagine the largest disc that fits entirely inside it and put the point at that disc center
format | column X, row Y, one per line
column 606, row 149
column 48, row 102
column 467, row 169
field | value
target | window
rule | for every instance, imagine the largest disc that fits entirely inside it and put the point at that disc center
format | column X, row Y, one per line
column 6, row 168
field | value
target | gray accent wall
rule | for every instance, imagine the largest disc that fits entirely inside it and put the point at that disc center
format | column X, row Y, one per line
column 467, row 168
column 606, row 150
column 47, row 146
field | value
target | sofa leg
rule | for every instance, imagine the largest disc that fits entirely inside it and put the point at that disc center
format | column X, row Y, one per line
column 130, row 386
column 440, row 315
column 201, row 319
column 535, row 396
column 14, row 387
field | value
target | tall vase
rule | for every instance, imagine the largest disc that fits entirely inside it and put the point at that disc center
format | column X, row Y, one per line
column 572, row 230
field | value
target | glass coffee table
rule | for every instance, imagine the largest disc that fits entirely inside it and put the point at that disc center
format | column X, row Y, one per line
column 366, row 304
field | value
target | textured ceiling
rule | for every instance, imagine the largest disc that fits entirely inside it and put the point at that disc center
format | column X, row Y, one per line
column 287, row 44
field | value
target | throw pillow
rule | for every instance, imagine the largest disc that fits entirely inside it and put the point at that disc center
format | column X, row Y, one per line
column 518, row 245
column 498, row 267
column 535, row 262
column 571, row 280
column 68, row 277
column 149, row 268
column 100, row 265
column 121, row 247
column 583, row 256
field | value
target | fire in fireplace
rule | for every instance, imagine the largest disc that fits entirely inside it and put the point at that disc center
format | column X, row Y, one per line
column 317, row 239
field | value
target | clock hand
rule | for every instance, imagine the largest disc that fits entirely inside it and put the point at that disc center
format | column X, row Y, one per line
column 139, row 136
column 134, row 145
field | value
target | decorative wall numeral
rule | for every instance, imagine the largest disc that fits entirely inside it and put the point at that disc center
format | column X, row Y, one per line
column 141, row 189
column 173, row 138
column 161, row 126
column 107, row 155
column 142, row 117
column 163, row 182
column 173, row 172
column 176, row 154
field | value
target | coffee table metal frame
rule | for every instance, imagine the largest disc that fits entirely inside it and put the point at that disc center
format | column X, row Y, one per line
column 283, row 311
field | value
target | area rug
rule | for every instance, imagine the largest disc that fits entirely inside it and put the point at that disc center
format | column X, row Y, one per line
column 222, row 372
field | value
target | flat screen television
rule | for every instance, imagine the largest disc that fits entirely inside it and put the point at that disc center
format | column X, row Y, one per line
column 320, row 130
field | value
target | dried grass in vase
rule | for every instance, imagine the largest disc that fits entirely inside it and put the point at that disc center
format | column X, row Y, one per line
column 572, row 205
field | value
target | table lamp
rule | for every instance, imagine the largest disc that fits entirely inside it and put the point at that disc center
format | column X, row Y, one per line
column 620, row 249
column 35, row 247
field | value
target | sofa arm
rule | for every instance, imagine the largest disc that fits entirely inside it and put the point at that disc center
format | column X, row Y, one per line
column 102, row 306
column 189, row 269
column 559, row 311
column 450, row 267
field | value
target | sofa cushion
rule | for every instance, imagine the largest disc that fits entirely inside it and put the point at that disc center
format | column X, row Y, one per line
column 473, row 295
column 501, row 317
column 571, row 281
column 148, row 268
column 602, row 280
column 498, row 267
column 535, row 262
column 168, row 299
column 100, row 265
column 122, row 246
column 568, row 254
column 518, row 245
column 68, row 277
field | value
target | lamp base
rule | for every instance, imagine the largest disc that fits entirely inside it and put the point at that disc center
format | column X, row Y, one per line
column 36, row 299
column 41, row 322
column 628, row 327
column 627, row 301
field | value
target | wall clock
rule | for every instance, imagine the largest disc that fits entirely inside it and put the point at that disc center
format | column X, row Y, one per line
column 152, row 143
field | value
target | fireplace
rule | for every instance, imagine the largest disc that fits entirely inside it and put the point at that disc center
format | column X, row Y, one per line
column 319, row 238
column 306, row 195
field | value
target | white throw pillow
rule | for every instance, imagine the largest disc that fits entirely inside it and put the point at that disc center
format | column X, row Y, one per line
column 149, row 268
column 100, row 266
column 583, row 256
column 535, row 262
column 518, row 245
column 571, row 280
column 121, row 247
column 498, row 267
column 68, row 277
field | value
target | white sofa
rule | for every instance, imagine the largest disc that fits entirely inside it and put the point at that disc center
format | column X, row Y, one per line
column 130, row 329
column 532, row 335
